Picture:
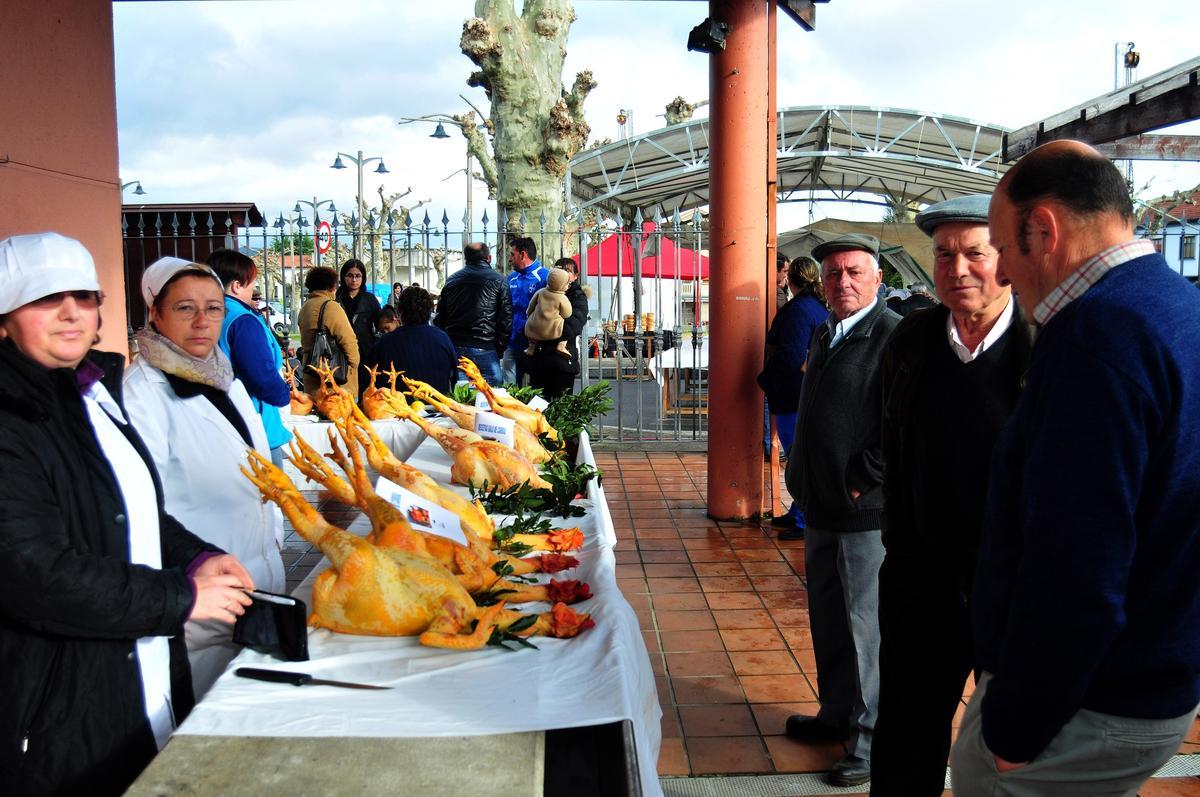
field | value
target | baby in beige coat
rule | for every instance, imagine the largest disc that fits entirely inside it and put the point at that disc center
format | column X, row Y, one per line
column 546, row 312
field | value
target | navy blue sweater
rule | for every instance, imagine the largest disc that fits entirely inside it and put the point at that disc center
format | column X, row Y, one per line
column 790, row 332
column 1087, row 593
column 423, row 352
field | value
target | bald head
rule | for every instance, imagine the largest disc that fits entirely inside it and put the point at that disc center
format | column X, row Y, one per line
column 1072, row 174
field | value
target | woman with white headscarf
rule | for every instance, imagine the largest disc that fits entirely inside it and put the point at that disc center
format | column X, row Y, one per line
column 198, row 423
column 96, row 579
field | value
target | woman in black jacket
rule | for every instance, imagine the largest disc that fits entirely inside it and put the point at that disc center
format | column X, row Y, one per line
column 360, row 306
column 96, row 580
column 547, row 368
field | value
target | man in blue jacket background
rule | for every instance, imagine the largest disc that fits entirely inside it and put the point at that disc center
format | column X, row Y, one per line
column 527, row 278
column 1085, row 610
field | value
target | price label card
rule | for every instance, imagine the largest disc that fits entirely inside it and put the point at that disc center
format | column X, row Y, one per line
column 481, row 401
column 491, row 426
column 538, row 403
column 423, row 514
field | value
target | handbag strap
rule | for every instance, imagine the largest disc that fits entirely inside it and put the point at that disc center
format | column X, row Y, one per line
column 321, row 318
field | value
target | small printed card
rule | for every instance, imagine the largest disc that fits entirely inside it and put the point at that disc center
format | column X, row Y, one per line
column 423, row 514
column 538, row 403
column 491, row 426
column 481, row 401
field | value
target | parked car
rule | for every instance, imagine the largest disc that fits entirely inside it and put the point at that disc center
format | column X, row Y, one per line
column 277, row 319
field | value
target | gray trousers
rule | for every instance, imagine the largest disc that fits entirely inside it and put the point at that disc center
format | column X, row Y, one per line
column 843, row 610
column 1094, row 755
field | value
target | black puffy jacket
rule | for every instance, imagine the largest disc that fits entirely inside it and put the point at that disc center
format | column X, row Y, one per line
column 544, row 352
column 475, row 308
column 72, row 716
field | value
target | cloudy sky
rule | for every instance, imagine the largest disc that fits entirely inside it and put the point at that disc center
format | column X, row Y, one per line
column 250, row 101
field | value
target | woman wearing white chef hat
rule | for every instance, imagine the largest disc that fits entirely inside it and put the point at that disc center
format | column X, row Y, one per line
column 96, row 579
column 198, row 422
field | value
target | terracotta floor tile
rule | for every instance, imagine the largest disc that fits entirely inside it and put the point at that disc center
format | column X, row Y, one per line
column 1193, row 734
column 675, row 601
column 669, row 724
column 691, row 640
column 789, row 755
column 670, row 570
column 744, row 532
column 663, row 556
column 743, row 639
column 733, row 600
column 777, row 688
column 758, row 555
column 636, row 600
column 726, row 584
column 788, row 618
column 707, row 543
column 657, row 664
column 672, row 544
column 768, row 568
column 763, row 662
column 630, row 569
column 656, row 534
column 720, row 720
column 1170, row 787
column 645, row 617
column 691, row 532
column 660, row 586
column 672, row 760
column 632, row 585
column 707, row 690
column 663, row 686
column 650, row 640
column 806, row 659
column 718, row 569
column 710, row 555
column 685, row 621
column 692, row 664
column 751, row 544
column 727, row 755
column 798, row 638
column 775, row 583
column 791, row 599
column 743, row 618
column 628, row 557
column 772, row 717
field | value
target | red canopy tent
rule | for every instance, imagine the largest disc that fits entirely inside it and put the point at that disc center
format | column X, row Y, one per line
column 603, row 258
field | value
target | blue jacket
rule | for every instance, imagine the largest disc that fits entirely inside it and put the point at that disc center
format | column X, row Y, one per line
column 1086, row 591
column 790, row 334
column 522, row 285
column 257, row 360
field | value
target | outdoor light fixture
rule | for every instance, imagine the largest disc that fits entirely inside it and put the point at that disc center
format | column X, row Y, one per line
column 708, row 36
column 440, row 132
column 337, row 163
column 359, row 163
column 137, row 190
column 381, row 169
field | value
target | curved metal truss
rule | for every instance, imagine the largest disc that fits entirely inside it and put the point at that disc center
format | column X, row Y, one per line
column 884, row 156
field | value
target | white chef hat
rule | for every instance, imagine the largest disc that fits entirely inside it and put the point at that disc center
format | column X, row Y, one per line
column 37, row 265
column 162, row 270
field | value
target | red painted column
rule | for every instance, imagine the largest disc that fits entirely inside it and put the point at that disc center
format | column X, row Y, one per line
column 738, row 251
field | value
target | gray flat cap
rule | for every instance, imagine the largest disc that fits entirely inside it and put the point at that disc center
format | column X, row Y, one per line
column 850, row 242
column 970, row 209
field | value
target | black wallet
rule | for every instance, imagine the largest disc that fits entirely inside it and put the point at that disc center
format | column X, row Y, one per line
column 274, row 624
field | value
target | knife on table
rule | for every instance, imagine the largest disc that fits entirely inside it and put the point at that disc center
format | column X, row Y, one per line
column 297, row 678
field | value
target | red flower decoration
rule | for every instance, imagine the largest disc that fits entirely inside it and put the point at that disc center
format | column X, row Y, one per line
column 568, row 591
column 554, row 562
column 565, row 622
column 565, row 539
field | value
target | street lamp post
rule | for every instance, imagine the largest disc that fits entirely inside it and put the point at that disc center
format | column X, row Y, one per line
column 439, row 133
column 315, row 205
column 360, row 162
column 138, row 191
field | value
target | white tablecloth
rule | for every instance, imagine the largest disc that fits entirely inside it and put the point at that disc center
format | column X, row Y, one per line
column 601, row 676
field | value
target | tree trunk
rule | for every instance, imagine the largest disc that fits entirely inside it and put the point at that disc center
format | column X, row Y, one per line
column 537, row 124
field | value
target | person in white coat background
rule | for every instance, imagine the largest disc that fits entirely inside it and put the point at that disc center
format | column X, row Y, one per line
column 198, row 423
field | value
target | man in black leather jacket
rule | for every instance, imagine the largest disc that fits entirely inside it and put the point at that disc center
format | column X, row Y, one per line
column 475, row 310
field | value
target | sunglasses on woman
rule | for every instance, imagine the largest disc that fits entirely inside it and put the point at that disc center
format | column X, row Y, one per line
column 86, row 299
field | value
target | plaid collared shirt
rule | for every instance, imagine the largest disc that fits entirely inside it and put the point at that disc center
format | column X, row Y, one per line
column 1088, row 275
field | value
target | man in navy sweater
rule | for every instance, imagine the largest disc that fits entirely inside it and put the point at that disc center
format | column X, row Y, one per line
column 1085, row 611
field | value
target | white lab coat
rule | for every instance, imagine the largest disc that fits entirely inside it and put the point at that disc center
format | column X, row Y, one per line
column 198, row 454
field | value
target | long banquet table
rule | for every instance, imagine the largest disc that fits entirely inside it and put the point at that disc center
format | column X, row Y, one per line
column 600, row 677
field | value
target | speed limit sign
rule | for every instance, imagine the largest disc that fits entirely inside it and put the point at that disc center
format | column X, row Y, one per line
column 324, row 237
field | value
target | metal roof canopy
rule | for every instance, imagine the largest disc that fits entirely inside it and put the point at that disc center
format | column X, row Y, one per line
column 849, row 153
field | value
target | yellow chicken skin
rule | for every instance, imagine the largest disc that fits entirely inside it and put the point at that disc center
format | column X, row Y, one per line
column 464, row 415
column 374, row 399
column 388, row 592
column 300, row 403
column 481, row 462
column 332, row 401
column 509, row 407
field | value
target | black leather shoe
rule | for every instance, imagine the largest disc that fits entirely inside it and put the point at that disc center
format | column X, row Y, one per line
column 794, row 533
column 849, row 770
column 783, row 522
column 811, row 729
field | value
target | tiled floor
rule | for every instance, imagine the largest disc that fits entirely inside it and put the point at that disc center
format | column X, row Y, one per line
column 723, row 611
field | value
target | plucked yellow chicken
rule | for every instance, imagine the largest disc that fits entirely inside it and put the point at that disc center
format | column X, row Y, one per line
column 374, row 399
column 509, row 407
column 476, row 463
column 464, row 415
column 471, row 515
column 332, row 400
column 473, row 565
column 390, row 591
column 301, row 403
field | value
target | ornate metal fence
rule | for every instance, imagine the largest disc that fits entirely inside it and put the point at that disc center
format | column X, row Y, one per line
column 647, row 280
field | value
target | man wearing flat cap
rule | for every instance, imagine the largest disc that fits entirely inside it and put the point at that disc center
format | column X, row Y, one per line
column 835, row 471
column 951, row 377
